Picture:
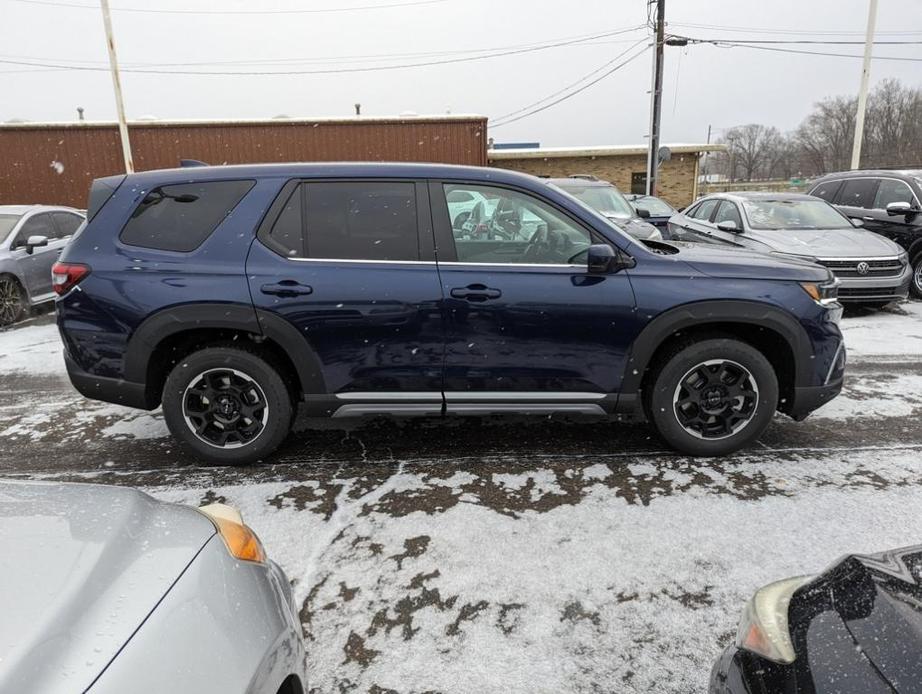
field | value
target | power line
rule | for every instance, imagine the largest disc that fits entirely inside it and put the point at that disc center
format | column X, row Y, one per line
column 571, row 94
column 325, row 71
column 812, row 32
column 722, row 43
column 324, row 10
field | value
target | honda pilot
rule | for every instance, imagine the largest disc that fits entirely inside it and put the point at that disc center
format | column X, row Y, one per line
column 234, row 296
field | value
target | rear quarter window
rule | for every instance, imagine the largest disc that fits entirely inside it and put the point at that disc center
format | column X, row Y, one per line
column 180, row 217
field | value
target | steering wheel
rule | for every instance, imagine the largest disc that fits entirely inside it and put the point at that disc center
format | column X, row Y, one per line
column 537, row 244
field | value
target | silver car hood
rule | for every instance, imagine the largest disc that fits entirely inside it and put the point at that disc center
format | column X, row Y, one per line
column 827, row 243
column 81, row 567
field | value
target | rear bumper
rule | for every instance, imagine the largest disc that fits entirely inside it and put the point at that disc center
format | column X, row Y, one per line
column 114, row 390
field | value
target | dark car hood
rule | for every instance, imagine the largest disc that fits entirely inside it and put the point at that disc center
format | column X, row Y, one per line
column 879, row 598
column 724, row 261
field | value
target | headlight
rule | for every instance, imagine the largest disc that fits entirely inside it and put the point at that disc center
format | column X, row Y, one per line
column 764, row 625
column 903, row 258
column 239, row 539
column 824, row 293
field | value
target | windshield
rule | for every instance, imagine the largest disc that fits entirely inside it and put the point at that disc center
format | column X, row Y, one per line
column 654, row 206
column 605, row 199
column 793, row 214
column 7, row 222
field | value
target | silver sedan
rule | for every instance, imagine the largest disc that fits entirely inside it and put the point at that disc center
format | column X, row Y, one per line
column 872, row 269
column 105, row 590
column 31, row 238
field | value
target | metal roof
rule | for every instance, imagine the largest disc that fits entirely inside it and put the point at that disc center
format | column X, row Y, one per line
column 597, row 151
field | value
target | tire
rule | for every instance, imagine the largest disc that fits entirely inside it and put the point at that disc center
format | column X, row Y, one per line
column 915, row 284
column 732, row 406
column 14, row 304
column 227, row 405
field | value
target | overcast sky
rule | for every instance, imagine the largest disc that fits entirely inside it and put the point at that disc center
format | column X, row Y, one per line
column 704, row 84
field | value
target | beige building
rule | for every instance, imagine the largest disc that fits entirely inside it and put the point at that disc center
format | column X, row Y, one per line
column 623, row 165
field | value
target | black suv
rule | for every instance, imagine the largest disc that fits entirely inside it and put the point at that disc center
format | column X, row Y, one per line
column 233, row 295
column 887, row 202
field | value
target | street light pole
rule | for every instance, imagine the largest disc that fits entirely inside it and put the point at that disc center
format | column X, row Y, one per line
column 117, row 86
column 863, row 91
column 656, row 92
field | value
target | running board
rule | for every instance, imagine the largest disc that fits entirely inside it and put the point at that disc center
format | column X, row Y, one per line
column 485, row 408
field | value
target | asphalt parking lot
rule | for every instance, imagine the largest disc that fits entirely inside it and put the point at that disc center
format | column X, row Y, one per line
column 518, row 554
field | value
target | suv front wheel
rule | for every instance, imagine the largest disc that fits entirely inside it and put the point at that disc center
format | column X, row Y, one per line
column 915, row 287
column 712, row 397
column 227, row 405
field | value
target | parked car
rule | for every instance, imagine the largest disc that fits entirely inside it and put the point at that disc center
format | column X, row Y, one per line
column 659, row 210
column 888, row 202
column 103, row 589
column 873, row 270
column 31, row 237
column 604, row 198
column 856, row 628
column 233, row 295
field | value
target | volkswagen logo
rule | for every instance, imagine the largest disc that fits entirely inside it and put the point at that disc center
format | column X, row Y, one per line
column 863, row 268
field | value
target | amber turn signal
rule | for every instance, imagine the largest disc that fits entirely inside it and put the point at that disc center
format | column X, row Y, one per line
column 240, row 540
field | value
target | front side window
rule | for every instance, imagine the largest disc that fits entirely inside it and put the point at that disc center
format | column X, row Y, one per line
column 728, row 212
column 857, row 192
column 180, row 217
column 704, row 210
column 793, row 214
column 36, row 225
column 509, row 227
column 891, row 190
column 361, row 220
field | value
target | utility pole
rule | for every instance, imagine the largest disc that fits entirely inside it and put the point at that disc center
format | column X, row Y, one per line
column 656, row 95
column 117, row 86
column 863, row 91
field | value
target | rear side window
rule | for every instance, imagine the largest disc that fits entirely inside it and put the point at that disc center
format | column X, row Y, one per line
column 858, row 192
column 180, row 217
column 827, row 191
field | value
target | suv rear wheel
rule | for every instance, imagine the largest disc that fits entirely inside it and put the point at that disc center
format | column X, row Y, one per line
column 227, row 405
column 712, row 397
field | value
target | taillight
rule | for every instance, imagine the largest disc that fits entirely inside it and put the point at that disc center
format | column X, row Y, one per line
column 66, row 276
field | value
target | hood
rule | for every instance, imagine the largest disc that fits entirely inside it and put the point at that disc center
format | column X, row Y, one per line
column 82, row 567
column 635, row 226
column 734, row 262
column 827, row 243
column 879, row 598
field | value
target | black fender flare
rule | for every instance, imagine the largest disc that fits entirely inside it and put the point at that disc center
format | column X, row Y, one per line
column 699, row 313
column 148, row 336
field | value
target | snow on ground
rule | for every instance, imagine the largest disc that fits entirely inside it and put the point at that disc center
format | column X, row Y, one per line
column 528, row 566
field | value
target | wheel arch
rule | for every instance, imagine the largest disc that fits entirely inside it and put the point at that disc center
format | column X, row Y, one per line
column 778, row 335
column 173, row 333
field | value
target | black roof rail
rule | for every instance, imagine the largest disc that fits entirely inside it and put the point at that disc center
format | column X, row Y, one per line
column 189, row 163
column 585, row 177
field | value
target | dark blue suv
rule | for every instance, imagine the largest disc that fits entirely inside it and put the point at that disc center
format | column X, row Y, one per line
column 234, row 295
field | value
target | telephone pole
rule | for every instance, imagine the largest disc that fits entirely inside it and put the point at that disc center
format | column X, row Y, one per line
column 117, row 86
column 656, row 92
column 863, row 91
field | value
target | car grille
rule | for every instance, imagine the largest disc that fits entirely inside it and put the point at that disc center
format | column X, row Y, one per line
column 868, row 293
column 887, row 267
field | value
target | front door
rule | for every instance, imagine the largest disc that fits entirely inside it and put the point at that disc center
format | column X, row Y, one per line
column 349, row 265
column 525, row 321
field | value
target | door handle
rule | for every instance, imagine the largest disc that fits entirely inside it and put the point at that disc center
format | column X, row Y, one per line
column 868, row 219
column 287, row 288
column 476, row 292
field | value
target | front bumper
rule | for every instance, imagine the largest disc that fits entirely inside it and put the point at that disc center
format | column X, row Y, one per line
column 858, row 289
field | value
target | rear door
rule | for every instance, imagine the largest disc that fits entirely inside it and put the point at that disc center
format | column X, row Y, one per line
column 526, row 325
column 349, row 264
column 856, row 197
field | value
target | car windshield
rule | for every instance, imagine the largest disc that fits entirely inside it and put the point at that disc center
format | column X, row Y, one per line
column 7, row 222
column 654, row 206
column 793, row 214
column 605, row 199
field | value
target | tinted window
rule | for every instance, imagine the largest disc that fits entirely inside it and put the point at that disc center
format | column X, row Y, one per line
column 506, row 226
column 827, row 190
column 37, row 225
column 361, row 221
column 857, row 192
column 181, row 217
column 285, row 236
column 66, row 223
column 891, row 190
column 704, row 210
column 7, row 222
column 728, row 212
